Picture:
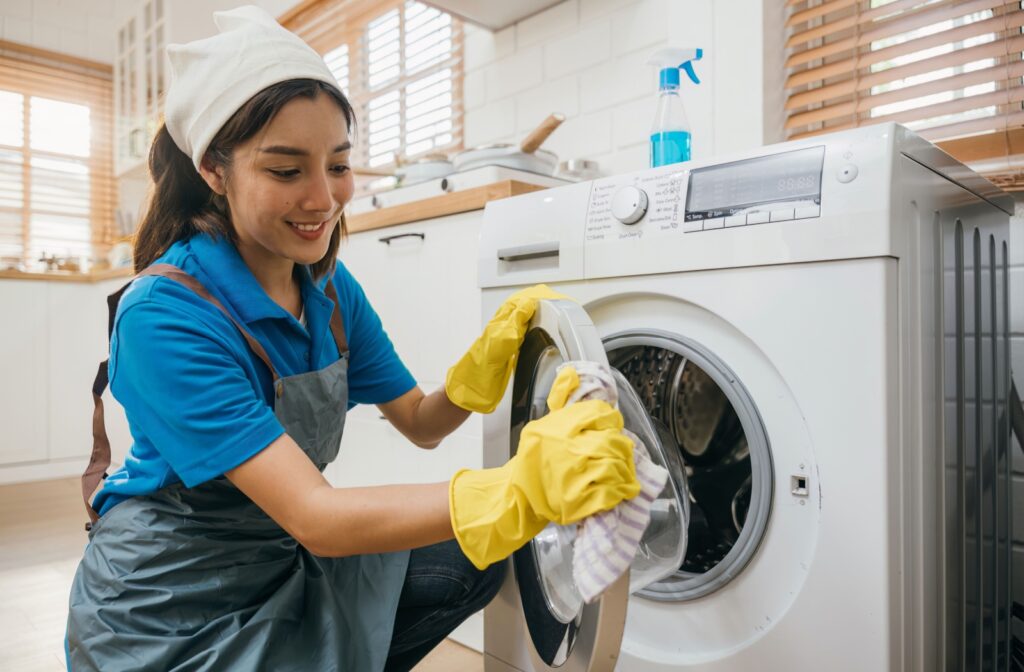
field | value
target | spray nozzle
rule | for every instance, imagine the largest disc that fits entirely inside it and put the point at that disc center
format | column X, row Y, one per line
column 670, row 61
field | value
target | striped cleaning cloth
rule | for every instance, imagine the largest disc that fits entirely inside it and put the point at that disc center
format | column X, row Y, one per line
column 606, row 542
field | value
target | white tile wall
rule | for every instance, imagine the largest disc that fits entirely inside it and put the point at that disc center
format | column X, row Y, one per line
column 589, row 45
column 588, row 60
column 642, row 24
column 516, row 73
column 547, row 24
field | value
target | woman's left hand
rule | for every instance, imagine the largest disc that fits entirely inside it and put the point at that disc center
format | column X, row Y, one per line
column 477, row 381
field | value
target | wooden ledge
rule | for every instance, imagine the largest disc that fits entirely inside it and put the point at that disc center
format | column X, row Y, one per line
column 438, row 206
column 68, row 276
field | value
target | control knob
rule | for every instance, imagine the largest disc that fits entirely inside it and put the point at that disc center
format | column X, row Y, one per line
column 629, row 204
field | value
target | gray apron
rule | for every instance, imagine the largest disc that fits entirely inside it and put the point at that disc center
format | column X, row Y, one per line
column 202, row 579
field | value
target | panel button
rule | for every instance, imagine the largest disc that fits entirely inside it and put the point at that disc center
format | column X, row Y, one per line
column 807, row 211
column 736, row 220
column 847, row 173
column 715, row 223
column 781, row 215
column 757, row 218
column 693, row 225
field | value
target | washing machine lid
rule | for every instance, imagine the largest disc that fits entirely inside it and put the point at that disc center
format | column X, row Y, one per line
column 563, row 633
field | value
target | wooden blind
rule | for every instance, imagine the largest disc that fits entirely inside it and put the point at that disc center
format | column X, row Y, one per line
column 57, row 188
column 950, row 70
column 400, row 64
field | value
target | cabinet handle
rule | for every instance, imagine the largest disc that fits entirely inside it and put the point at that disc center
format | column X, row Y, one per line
column 532, row 251
column 388, row 239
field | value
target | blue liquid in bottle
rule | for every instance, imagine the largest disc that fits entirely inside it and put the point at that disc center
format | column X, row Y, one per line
column 669, row 147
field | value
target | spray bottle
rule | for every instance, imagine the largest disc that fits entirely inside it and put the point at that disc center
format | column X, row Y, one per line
column 670, row 133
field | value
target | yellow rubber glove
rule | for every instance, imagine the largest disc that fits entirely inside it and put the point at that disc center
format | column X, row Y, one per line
column 571, row 463
column 477, row 382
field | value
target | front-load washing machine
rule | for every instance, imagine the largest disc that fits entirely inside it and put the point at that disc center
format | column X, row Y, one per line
column 819, row 330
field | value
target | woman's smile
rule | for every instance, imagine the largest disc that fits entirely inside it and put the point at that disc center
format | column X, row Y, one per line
column 309, row 230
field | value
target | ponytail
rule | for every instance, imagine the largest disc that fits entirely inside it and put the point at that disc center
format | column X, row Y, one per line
column 180, row 206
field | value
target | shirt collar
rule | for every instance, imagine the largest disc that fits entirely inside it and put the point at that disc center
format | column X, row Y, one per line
column 220, row 260
column 318, row 312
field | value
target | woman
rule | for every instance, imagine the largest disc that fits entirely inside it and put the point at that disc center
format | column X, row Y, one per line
column 236, row 353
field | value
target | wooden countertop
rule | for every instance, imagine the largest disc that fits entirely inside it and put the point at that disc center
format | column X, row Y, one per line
column 438, row 206
column 67, row 276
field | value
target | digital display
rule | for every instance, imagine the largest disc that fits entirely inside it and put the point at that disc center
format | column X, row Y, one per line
column 729, row 188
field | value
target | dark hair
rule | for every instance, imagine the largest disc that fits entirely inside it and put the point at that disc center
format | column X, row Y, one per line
column 182, row 204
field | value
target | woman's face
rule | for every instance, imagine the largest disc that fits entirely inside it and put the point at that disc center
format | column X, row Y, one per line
column 288, row 184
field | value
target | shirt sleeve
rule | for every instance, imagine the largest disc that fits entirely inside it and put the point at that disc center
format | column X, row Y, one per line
column 376, row 374
column 189, row 388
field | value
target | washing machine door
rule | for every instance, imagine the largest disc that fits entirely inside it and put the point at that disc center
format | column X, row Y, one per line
column 563, row 633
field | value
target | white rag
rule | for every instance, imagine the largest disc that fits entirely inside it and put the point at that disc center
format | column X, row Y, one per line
column 607, row 542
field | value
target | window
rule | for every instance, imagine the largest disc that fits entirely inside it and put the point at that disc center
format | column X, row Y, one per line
column 951, row 70
column 56, row 178
column 399, row 62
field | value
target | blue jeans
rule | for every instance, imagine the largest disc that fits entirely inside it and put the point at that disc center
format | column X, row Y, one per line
column 442, row 589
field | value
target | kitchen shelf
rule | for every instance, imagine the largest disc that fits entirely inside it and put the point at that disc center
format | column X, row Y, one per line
column 438, row 206
column 67, row 276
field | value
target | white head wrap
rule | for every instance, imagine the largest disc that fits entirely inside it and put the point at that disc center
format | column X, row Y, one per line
column 212, row 78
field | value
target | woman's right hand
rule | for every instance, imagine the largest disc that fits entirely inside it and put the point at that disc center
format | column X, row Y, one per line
column 570, row 464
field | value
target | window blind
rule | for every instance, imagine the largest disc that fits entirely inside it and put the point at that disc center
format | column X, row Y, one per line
column 57, row 190
column 950, row 70
column 400, row 64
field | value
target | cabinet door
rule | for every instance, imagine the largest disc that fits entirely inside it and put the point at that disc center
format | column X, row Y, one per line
column 366, row 456
column 23, row 338
column 375, row 453
column 386, row 262
column 421, row 279
column 77, row 344
column 448, row 296
column 129, row 85
column 78, row 340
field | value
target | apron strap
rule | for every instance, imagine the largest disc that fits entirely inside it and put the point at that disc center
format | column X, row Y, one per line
column 182, row 278
column 337, row 326
column 99, row 460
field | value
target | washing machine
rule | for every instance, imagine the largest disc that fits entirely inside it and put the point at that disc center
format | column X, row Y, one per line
column 819, row 331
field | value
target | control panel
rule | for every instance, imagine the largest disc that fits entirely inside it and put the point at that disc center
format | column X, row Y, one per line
column 674, row 199
column 822, row 198
column 636, row 204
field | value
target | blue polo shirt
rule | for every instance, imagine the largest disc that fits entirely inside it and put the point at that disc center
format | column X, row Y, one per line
column 198, row 401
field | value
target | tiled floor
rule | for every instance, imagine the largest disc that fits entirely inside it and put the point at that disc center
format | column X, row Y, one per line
column 41, row 541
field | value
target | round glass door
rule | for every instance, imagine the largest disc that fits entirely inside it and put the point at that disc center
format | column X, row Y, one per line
column 564, row 632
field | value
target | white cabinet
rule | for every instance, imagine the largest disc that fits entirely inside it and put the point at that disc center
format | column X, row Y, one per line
column 142, row 71
column 421, row 278
column 78, row 343
column 51, row 349
column 23, row 344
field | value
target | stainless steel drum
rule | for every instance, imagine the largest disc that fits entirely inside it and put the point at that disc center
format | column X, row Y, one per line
column 694, row 409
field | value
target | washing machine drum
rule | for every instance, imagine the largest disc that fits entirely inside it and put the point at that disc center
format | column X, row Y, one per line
column 553, row 607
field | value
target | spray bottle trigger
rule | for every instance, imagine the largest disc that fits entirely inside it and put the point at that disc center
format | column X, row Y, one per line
column 688, row 67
